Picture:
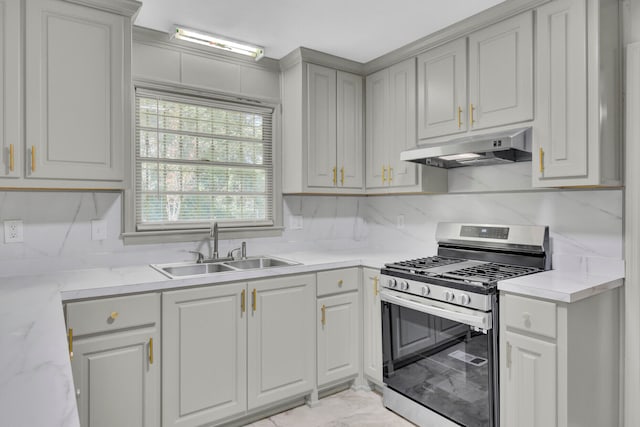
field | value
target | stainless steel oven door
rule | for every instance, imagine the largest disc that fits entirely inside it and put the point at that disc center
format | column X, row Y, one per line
column 441, row 356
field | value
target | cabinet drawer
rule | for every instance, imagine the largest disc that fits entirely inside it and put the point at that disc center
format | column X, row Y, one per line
column 336, row 281
column 90, row 317
column 530, row 315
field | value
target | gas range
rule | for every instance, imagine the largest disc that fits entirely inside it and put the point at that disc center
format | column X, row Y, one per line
column 440, row 322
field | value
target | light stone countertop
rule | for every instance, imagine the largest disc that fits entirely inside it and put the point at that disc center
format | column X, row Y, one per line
column 36, row 385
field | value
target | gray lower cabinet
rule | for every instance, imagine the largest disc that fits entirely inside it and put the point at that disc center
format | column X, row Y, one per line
column 229, row 349
column 372, row 325
column 337, row 334
column 115, row 349
column 280, row 339
column 204, row 331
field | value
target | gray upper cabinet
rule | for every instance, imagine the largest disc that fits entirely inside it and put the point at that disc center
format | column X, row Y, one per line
column 501, row 73
column 442, row 90
column 10, row 95
column 485, row 85
column 391, row 129
column 322, row 132
column 577, row 131
column 75, row 86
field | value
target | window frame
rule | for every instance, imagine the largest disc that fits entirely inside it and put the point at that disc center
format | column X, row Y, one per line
column 130, row 233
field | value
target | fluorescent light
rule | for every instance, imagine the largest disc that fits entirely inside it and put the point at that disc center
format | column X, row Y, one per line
column 218, row 42
column 462, row 156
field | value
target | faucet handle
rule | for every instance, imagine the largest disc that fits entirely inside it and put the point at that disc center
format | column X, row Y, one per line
column 200, row 259
column 244, row 250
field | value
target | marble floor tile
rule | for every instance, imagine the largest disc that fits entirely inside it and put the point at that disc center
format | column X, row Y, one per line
column 345, row 409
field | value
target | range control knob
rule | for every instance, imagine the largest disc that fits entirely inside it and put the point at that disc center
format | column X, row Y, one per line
column 449, row 296
column 465, row 299
column 392, row 283
column 404, row 285
column 425, row 291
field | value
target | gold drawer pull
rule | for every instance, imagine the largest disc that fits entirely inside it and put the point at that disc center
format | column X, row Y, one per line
column 459, row 117
column 242, row 302
column 253, row 302
column 390, row 174
column 11, row 157
column 340, row 282
column 70, row 336
column 471, row 108
column 384, row 174
column 114, row 315
column 375, row 286
column 335, row 175
column 541, row 160
column 342, row 176
column 323, row 309
column 150, row 351
column 33, row 158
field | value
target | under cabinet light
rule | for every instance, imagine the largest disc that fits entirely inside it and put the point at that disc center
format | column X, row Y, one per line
column 218, row 42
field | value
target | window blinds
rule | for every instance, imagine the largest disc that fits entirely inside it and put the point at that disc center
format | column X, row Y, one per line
column 199, row 161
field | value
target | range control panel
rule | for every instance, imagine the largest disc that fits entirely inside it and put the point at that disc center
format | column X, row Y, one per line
column 485, row 232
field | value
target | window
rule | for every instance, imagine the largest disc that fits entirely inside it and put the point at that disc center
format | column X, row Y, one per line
column 199, row 161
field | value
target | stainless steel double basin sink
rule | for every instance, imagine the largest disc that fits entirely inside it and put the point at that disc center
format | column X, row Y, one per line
column 186, row 269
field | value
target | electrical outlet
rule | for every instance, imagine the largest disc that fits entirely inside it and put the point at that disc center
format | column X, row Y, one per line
column 400, row 222
column 13, row 232
column 98, row 229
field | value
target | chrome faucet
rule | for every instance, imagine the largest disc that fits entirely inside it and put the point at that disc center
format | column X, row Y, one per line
column 242, row 249
column 213, row 234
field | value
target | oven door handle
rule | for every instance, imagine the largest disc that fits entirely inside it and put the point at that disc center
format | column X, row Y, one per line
column 482, row 321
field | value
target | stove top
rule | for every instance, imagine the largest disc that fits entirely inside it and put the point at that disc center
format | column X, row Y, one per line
column 470, row 272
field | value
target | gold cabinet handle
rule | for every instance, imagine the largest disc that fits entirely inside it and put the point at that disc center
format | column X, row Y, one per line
column 11, row 158
column 253, row 301
column 242, row 301
column 33, row 158
column 70, row 338
column 390, row 174
column 340, row 282
column 150, row 351
column 335, row 175
column 323, row 310
column 375, row 286
column 114, row 315
column 342, row 176
column 541, row 160
column 471, row 108
column 459, row 117
column 384, row 174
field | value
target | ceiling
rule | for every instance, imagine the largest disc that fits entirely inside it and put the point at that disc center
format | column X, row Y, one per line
column 360, row 30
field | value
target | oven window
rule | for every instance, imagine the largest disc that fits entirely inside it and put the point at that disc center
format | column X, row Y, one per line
column 443, row 365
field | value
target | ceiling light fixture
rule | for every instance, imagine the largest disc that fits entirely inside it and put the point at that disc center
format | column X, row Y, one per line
column 218, row 42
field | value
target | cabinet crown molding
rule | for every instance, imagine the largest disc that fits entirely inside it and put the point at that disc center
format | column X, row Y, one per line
column 320, row 58
column 127, row 8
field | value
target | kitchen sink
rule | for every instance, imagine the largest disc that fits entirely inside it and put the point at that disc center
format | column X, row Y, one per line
column 260, row 262
column 186, row 269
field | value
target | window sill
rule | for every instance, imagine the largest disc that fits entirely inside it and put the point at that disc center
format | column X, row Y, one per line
column 175, row 236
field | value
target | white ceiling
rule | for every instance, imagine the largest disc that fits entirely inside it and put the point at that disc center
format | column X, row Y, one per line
column 360, row 30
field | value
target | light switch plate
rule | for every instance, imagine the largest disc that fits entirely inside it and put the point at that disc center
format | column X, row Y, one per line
column 296, row 222
column 13, row 231
column 98, row 229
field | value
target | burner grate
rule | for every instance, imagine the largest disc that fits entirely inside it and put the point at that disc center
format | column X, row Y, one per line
column 490, row 272
column 424, row 263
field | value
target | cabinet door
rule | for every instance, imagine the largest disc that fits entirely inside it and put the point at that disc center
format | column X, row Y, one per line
column 372, row 355
column 205, row 354
column 376, row 124
column 337, row 332
column 442, row 90
column 281, row 339
column 528, row 391
column 501, row 73
column 561, row 91
column 402, row 123
column 116, row 382
column 10, row 89
column 321, row 126
column 74, row 91
column 350, row 144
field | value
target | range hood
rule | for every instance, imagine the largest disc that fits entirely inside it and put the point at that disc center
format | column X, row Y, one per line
column 509, row 146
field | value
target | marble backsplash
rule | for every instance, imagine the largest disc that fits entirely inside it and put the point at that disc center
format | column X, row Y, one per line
column 57, row 226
